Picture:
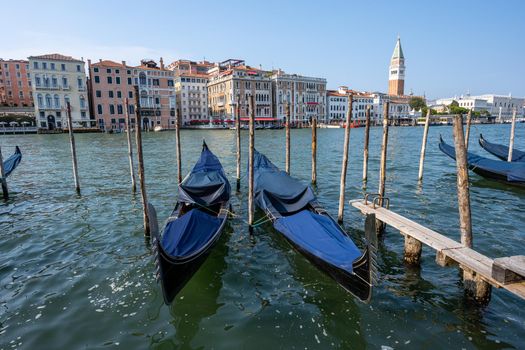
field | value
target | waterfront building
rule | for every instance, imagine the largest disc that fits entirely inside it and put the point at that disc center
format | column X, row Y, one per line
column 306, row 95
column 111, row 82
column 191, row 86
column 15, row 84
column 396, row 73
column 336, row 106
column 231, row 81
column 499, row 106
column 57, row 79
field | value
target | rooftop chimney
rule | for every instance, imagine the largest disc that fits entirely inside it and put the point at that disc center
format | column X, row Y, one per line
column 161, row 63
column 124, row 63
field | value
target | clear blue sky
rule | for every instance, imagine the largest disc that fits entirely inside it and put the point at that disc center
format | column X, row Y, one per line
column 450, row 46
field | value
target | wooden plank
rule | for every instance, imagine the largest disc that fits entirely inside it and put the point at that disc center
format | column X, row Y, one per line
column 509, row 269
column 448, row 250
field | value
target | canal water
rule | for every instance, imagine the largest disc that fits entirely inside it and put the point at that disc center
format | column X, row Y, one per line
column 76, row 271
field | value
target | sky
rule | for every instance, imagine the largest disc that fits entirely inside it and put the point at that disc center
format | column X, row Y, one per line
column 451, row 47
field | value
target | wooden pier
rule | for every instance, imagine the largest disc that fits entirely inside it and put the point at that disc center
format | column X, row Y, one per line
column 507, row 273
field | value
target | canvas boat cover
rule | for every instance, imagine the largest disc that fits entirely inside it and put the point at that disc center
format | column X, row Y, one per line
column 320, row 236
column 206, row 184
column 12, row 162
column 189, row 233
column 514, row 171
column 286, row 198
column 501, row 151
column 276, row 191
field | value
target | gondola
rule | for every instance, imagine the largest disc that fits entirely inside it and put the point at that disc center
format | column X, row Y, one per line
column 194, row 226
column 12, row 162
column 501, row 151
column 512, row 173
column 295, row 212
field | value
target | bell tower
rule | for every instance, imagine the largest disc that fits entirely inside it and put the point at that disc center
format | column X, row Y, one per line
column 396, row 74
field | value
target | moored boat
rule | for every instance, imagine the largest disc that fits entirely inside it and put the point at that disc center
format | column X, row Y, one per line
column 12, row 162
column 306, row 225
column 194, row 226
column 501, row 151
column 512, row 173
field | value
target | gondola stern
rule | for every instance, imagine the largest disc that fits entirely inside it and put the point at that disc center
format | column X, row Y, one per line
column 365, row 268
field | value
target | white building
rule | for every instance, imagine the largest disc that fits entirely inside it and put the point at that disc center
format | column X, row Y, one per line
column 498, row 106
column 192, row 98
column 56, row 80
column 336, row 106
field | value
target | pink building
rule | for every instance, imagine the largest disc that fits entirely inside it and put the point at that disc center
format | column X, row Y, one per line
column 111, row 82
column 15, row 84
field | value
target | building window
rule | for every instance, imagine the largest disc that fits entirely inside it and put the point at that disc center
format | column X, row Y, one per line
column 95, row 69
column 97, row 79
column 129, row 81
column 82, row 102
column 99, row 109
column 63, row 67
column 52, row 66
column 98, row 93
column 110, row 94
column 119, row 94
column 66, row 100
column 130, row 94
column 44, row 65
column 37, row 80
column 57, row 101
column 64, row 82
column 79, row 81
column 117, row 80
column 111, row 109
column 78, row 68
column 40, row 101
column 108, row 70
column 110, row 80
column 119, row 109
column 35, row 65
column 170, row 82
column 54, row 82
column 48, row 100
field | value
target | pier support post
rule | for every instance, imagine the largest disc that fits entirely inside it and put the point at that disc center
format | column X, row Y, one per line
column 424, row 146
column 3, row 179
column 73, row 148
column 474, row 286
column 130, row 148
column 367, row 141
column 413, row 249
column 380, row 226
column 314, row 151
column 287, row 161
column 467, row 132
column 250, row 162
column 140, row 158
column 344, row 166
column 238, row 137
column 177, row 141
column 512, row 128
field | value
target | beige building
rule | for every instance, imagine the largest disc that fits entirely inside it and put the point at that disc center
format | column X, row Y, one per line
column 191, row 87
column 58, row 79
column 306, row 95
column 233, row 80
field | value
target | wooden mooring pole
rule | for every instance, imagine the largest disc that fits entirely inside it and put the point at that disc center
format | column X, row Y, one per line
column 73, row 148
column 140, row 158
column 474, row 285
column 250, row 162
column 367, row 141
column 342, row 184
column 314, row 151
column 238, row 137
column 380, row 226
column 177, row 141
column 287, row 160
column 424, row 146
column 3, row 179
column 512, row 128
column 467, row 132
column 130, row 147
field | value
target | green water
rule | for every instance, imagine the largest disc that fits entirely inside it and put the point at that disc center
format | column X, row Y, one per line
column 76, row 272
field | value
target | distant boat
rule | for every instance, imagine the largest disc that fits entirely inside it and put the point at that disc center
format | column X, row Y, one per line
column 512, row 173
column 158, row 128
column 12, row 162
column 501, row 151
column 295, row 212
column 194, row 226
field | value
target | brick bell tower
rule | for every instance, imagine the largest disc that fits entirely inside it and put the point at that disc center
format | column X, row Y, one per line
column 396, row 74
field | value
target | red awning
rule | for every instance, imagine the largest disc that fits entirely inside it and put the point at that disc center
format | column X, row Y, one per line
column 260, row 119
column 312, row 103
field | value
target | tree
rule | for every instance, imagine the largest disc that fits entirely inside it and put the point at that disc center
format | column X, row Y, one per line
column 417, row 103
column 454, row 108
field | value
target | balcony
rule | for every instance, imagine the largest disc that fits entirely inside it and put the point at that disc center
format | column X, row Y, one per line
column 47, row 87
column 66, row 87
column 50, row 108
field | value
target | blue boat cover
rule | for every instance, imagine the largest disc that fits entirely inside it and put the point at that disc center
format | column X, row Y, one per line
column 12, row 162
column 514, row 171
column 189, row 233
column 501, row 151
column 206, row 184
column 277, row 191
column 320, row 236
